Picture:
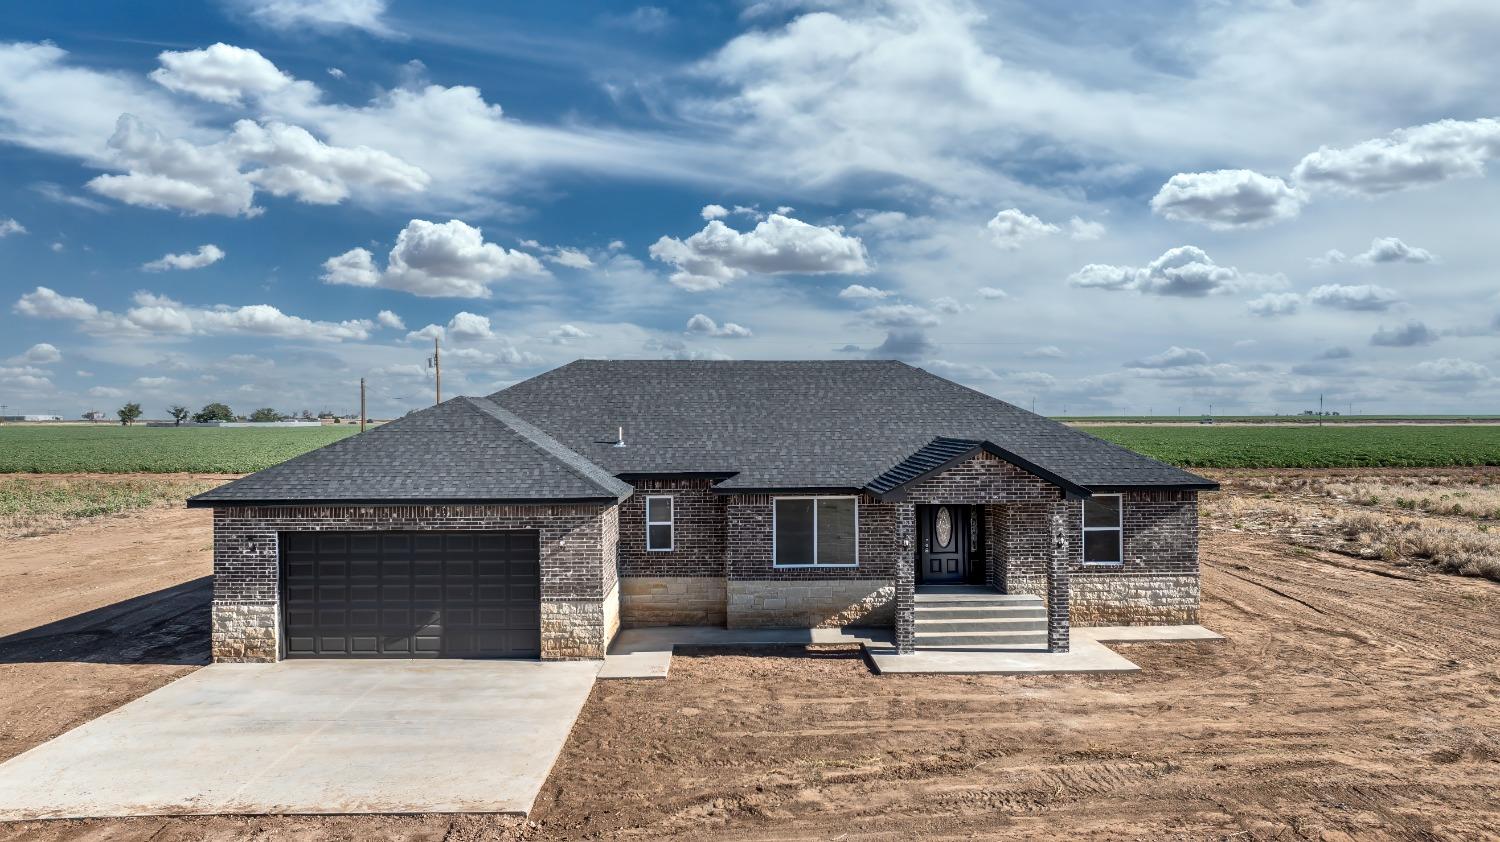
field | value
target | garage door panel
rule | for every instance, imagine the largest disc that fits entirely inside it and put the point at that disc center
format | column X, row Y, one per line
column 405, row 595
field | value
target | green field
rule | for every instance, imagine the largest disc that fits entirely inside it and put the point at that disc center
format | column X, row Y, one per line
column 233, row 450
column 226, row 450
column 1312, row 447
column 1274, row 419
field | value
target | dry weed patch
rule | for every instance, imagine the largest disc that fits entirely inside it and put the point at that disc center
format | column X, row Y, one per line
column 1439, row 521
column 39, row 505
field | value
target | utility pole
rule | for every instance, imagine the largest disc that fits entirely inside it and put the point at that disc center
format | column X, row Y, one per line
column 1320, row 409
column 361, row 404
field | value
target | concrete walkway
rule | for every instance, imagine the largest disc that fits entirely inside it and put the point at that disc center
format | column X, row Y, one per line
column 313, row 737
column 647, row 653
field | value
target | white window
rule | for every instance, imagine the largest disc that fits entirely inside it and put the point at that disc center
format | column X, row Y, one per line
column 659, row 524
column 1103, row 535
column 815, row 532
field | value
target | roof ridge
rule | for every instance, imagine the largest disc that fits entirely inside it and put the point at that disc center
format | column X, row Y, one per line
column 547, row 445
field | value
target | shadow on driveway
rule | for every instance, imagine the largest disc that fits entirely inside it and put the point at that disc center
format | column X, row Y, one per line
column 169, row 626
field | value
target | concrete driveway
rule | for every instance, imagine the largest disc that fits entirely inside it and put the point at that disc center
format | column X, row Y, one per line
column 313, row 737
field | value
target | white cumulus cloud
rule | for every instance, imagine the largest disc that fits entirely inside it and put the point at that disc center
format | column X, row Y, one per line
column 388, row 319
column 1408, row 335
column 1382, row 250
column 205, row 255
column 1226, row 199
column 223, row 177
column 858, row 292
column 1406, row 158
column 1354, row 296
column 778, row 245
column 219, row 73
column 42, row 353
column 10, row 226
column 1449, row 369
column 1010, row 229
column 157, row 315
column 327, row 15
column 1185, row 271
column 1275, row 304
column 1173, row 357
column 701, row 325
column 437, row 260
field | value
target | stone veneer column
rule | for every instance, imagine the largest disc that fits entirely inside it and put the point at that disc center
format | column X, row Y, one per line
column 906, row 582
column 1058, row 585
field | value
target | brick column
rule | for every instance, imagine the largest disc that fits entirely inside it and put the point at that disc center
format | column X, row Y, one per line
column 906, row 581
column 1058, row 580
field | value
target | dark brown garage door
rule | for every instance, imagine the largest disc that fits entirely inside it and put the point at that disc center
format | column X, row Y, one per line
column 411, row 594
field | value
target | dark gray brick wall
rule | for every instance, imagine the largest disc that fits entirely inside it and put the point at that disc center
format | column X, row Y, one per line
column 698, row 523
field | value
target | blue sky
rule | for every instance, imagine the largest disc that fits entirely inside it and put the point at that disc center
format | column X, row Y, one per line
column 1098, row 208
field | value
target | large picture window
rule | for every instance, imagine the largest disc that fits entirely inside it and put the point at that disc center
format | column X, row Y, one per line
column 815, row 532
column 658, row 524
column 1103, row 533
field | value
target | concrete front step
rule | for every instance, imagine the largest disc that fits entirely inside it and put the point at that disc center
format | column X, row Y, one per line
column 994, row 624
column 933, row 594
column 965, row 612
column 997, row 600
column 1012, row 638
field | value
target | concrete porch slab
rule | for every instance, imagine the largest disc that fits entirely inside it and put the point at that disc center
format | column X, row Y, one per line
column 647, row 652
column 1084, row 656
column 1145, row 634
column 311, row 737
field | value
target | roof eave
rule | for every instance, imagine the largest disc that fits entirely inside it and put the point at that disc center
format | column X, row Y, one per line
column 200, row 502
column 1071, row 490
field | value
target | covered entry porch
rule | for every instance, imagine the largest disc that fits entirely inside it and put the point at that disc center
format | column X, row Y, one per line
column 988, row 554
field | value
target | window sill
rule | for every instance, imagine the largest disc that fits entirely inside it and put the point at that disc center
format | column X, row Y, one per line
column 659, row 550
column 1103, row 563
column 815, row 566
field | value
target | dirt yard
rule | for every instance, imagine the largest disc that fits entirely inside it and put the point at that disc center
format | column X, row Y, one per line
column 1356, row 698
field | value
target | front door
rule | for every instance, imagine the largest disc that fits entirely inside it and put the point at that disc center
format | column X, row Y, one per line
column 945, row 545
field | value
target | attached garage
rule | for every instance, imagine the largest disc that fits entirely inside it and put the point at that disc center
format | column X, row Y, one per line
column 411, row 594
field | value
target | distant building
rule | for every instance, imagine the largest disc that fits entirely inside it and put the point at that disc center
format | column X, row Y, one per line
column 41, row 417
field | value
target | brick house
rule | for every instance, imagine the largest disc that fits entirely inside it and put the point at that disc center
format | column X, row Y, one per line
column 538, row 521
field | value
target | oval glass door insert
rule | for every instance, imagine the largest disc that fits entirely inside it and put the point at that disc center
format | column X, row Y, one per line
column 943, row 527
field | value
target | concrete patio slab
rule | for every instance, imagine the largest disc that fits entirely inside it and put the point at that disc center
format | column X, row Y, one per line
column 309, row 737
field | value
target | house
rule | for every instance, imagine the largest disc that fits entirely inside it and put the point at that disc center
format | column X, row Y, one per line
column 539, row 520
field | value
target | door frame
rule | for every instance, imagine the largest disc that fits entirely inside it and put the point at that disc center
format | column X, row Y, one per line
column 973, row 542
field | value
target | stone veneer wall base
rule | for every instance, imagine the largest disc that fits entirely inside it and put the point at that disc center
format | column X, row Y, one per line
column 244, row 632
column 811, row 603
column 672, row 601
column 1135, row 600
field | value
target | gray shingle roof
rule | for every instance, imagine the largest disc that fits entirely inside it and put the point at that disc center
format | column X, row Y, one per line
column 809, row 425
column 463, row 450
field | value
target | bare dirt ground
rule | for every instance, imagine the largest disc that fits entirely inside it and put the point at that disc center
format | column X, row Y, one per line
column 1353, row 700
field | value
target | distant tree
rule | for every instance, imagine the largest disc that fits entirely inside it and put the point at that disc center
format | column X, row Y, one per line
column 307, row 416
column 266, row 413
column 214, row 412
column 129, row 413
column 179, row 414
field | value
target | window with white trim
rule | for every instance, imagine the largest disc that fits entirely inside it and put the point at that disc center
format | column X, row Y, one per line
column 1103, row 530
column 659, row 524
column 815, row 532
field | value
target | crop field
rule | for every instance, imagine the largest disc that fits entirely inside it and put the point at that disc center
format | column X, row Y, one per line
column 1279, row 419
column 1394, row 446
column 119, row 450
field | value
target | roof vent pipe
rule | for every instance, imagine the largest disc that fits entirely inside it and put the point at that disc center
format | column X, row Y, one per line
column 620, row 437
